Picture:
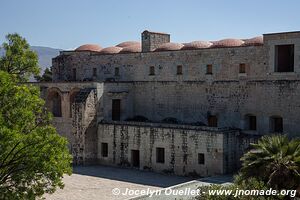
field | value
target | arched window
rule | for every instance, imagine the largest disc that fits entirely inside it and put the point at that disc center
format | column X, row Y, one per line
column 54, row 103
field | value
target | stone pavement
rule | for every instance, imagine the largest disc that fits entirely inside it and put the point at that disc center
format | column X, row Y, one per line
column 97, row 183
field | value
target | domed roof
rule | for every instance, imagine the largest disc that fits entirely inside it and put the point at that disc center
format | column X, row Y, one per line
column 196, row 45
column 89, row 47
column 128, row 43
column 169, row 47
column 254, row 41
column 111, row 50
column 132, row 49
column 228, row 43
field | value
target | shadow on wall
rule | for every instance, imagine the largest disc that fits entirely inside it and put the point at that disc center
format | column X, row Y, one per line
column 131, row 175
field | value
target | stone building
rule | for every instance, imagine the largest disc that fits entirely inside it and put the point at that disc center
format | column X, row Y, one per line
column 190, row 108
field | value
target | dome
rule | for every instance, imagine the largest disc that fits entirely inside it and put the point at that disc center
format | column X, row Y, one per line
column 196, row 45
column 128, row 43
column 228, row 43
column 169, row 47
column 254, row 41
column 89, row 47
column 132, row 49
column 111, row 50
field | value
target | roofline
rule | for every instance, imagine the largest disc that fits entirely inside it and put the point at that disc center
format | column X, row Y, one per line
column 161, row 33
column 281, row 33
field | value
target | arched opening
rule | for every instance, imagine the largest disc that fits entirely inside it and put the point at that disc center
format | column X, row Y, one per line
column 73, row 94
column 54, row 103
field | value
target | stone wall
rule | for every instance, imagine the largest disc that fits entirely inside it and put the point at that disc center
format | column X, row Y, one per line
column 230, row 101
column 259, row 61
column 182, row 144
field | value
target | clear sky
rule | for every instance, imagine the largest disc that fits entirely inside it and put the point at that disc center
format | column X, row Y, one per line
column 67, row 24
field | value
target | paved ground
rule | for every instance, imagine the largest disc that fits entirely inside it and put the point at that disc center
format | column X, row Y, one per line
column 172, row 193
column 97, row 183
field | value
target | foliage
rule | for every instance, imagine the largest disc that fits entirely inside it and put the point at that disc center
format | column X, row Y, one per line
column 274, row 160
column 33, row 157
column 46, row 77
column 19, row 60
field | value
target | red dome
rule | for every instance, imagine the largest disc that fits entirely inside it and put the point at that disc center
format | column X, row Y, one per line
column 132, row 49
column 128, row 43
column 196, row 45
column 228, row 43
column 254, row 41
column 111, row 50
column 89, row 47
column 169, row 47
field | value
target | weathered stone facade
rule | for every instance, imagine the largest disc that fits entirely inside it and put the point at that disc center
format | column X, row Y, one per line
column 246, row 93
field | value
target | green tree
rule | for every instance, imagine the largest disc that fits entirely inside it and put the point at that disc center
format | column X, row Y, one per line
column 19, row 60
column 274, row 160
column 46, row 77
column 33, row 157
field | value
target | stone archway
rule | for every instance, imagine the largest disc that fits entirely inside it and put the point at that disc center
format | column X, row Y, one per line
column 54, row 100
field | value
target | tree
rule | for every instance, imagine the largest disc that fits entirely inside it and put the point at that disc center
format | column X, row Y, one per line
column 274, row 160
column 19, row 60
column 33, row 157
column 46, row 77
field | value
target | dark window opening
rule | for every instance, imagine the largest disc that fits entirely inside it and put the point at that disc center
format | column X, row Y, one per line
column 212, row 121
column 201, row 158
column 179, row 70
column 160, row 155
column 242, row 68
column 251, row 122
column 117, row 71
column 135, row 158
column 276, row 124
column 208, row 69
column 151, row 70
column 74, row 74
column 116, row 109
column 104, row 149
column 284, row 58
column 94, row 71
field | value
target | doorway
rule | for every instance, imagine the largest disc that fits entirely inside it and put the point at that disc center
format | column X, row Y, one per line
column 135, row 158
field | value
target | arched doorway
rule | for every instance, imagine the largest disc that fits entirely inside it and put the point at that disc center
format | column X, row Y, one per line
column 54, row 102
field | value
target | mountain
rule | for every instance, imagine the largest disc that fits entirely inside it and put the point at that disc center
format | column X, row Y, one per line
column 45, row 55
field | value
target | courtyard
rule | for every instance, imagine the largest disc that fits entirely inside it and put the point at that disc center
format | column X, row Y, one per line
column 97, row 182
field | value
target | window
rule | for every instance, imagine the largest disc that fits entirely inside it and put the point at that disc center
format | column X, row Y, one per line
column 276, row 124
column 116, row 110
column 212, row 121
column 160, row 155
column 179, row 69
column 104, row 149
column 117, row 71
column 252, row 122
column 284, row 58
column 208, row 69
column 201, row 159
column 94, row 71
column 151, row 70
column 74, row 74
column 242, row 68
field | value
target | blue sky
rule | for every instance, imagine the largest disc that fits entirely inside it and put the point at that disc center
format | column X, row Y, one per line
column 67, row 24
